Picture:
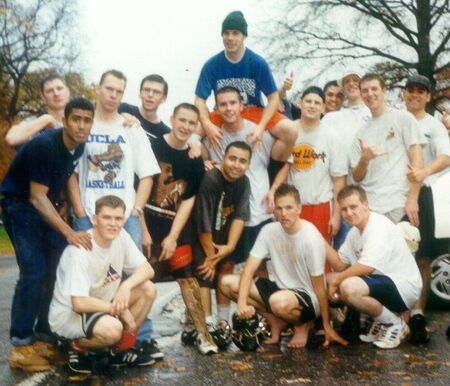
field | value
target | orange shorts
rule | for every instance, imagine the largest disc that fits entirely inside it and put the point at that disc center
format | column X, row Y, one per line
column 252, row 114
column 319, row 215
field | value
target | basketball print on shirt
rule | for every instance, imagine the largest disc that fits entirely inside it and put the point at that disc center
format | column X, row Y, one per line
column 304, row 156
column 108, row 162
column 168, row 192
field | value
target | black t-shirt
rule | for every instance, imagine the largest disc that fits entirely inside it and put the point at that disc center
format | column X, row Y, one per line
column 219, row 202
column 45, row 160
column 179, row 180
column 154, row 130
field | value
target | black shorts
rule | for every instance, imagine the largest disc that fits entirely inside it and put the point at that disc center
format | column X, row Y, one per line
column 429, row 246
column 383, row 289
column 88, row 321
column 267, row 287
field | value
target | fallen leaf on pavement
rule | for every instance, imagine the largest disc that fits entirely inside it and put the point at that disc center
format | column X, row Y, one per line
column 271, row 355
column 180, row 369
column 240, row 366
column 377, row 362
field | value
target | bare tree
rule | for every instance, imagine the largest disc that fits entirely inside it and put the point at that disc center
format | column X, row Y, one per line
column 394, row 37
column 33, row 34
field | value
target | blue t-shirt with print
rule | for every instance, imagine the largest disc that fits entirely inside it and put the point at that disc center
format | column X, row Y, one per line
column 251, row 75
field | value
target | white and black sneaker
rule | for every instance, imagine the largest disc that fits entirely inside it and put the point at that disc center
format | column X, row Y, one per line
column 205, row 346
column 374, row 332
column 152, row 349
column 392, row 335
column 131, row 357
column 79, row 365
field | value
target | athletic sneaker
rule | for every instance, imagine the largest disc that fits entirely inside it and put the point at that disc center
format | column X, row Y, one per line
column 392, row 335
column 418, row 327
column 189, row 333
column 151, row 348
column 131, row 357
column 374, row 332
column 79, row 363
column 205, row 346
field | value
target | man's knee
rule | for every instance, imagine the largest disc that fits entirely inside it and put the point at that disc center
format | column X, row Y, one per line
column 229, row 285
column 280, row 304
column 108, row 330
column 350, row 288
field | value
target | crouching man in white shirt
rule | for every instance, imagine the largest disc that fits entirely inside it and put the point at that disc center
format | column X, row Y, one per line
column 376, row 272
column 295, row 292
column 91, row 303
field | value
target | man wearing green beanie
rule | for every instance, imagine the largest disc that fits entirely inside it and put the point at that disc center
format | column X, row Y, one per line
column 240, row 67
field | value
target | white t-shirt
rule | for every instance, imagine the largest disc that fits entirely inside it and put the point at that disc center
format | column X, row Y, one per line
column 346, row 123
column 96, row 273
column 381, row 246
column 385, row 181
column 256, row 173
column 112, row 156
column 315, row 158
column 293, row 259
column 437, row 143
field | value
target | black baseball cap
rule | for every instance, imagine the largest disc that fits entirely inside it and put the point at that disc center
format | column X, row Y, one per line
column 419, row 80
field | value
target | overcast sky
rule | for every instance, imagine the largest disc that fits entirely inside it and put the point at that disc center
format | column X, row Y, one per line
column 170, row 37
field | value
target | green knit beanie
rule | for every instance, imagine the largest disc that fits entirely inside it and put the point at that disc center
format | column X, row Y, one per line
column 235, row 20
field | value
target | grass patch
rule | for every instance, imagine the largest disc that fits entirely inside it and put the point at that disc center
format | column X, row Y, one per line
column 6, row 247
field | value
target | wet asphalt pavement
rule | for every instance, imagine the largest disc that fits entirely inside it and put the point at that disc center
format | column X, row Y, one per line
column 357, row 364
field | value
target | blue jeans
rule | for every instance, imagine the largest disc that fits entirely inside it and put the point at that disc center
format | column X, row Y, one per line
column 38, row 249
column 133, row 227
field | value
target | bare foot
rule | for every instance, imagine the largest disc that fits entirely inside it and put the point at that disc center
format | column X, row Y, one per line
column 276, row 326
column 300, row 337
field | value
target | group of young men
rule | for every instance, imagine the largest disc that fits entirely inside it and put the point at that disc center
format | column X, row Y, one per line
column 195, row 198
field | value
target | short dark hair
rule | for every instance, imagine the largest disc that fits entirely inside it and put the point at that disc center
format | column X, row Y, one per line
column 373, row 76
column 239, row 145
column 350, row 190
column 314, row 90
column 330, row 83
column 50, row 77
column 187, row 106
column 158, row 79
column 78, row 103
column 287, row 190
column 109, row 201
column 226, row 89
column 116, row 73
